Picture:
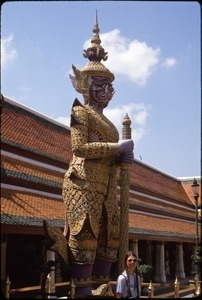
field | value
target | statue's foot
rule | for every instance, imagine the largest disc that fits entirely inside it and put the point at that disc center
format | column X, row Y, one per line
column 81, row 274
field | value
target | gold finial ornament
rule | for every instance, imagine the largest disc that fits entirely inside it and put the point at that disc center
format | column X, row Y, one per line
column 126, row 130
column 124, row 197
column 96, row 53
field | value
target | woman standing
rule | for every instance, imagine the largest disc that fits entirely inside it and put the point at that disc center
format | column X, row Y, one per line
column 128, row 282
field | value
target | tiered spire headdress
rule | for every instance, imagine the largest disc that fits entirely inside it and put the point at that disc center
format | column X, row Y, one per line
column 83, row 78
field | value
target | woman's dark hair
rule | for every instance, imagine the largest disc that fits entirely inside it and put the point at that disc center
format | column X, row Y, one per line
column 129, row 253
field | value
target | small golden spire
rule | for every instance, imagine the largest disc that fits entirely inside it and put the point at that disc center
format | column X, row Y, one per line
column 96, row 52
column 96, row 38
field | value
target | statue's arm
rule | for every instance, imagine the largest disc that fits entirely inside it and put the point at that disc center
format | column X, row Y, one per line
column 81, row 146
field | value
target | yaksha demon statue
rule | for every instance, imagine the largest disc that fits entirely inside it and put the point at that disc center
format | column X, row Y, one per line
column 90, row 183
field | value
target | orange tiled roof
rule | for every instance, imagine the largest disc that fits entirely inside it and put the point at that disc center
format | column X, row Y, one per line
column 150, row 179
column 29, row 209
column 160, row 228
column 15, row 168
column 140, row 203
column 29, row 131
column 32, row 185
column 186, row 184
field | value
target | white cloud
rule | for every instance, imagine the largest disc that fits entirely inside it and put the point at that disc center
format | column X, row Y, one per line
column 169, row 62
column 138, row 134
column 140, row 117
column 8, row 53
column 131, row 58
column 63, row 120
column 138, row 114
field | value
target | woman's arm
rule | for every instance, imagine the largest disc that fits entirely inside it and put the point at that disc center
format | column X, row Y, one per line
column 120, row 285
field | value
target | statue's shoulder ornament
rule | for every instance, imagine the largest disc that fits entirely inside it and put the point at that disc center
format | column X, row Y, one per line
column 78, row 113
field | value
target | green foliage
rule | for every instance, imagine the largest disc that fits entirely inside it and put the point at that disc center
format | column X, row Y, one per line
column 196, row 258
column 146, row 271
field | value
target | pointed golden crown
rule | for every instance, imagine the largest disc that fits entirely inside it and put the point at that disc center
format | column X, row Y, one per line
column 95, row 54
column 82, row 79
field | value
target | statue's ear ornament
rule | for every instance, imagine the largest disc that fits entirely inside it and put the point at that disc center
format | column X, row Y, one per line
column 81, row 81
column 76, row 71
column 76, row 80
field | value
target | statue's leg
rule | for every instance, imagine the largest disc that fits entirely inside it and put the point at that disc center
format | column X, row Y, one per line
column 83, row 213
column 101, row 268
column 108, row 242
column 82, row 252
column 82, row 273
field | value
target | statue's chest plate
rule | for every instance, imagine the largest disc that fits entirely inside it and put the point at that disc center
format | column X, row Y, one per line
column 101, row 129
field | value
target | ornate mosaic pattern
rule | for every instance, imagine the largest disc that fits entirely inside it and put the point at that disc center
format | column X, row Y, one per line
column 90, row 186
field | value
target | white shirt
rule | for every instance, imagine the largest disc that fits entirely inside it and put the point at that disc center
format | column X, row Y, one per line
column 122, row 288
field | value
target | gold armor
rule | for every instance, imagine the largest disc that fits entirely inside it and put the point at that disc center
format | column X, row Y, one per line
column 90, row 186
column 90, row 183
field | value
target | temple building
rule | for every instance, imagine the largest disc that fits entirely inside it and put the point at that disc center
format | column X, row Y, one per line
column 35, row 154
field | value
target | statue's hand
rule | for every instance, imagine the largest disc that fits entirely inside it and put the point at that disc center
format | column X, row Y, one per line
column 127, row 158
column 126, row 146
column 126, row 151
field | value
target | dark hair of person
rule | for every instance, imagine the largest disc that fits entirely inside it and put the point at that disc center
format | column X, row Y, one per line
column 131, row 253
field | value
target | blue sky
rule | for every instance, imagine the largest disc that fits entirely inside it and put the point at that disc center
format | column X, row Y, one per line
column 153, row 50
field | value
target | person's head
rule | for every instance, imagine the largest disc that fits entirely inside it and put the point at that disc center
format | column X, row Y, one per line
column 130, row 260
